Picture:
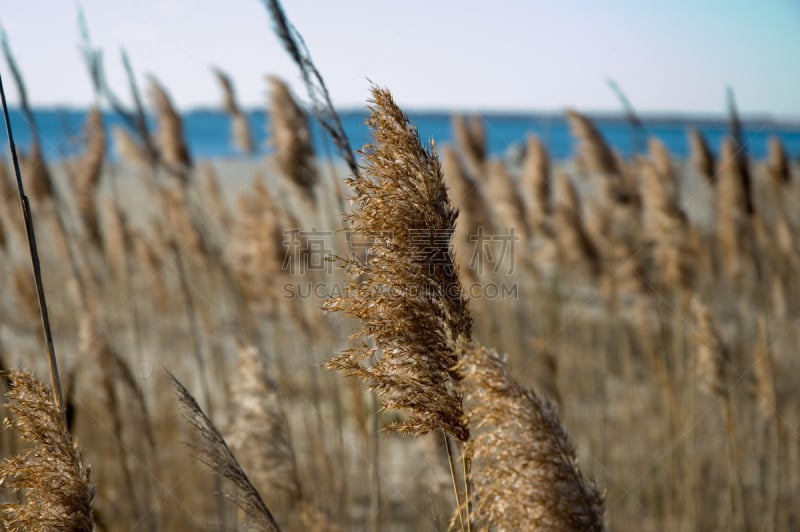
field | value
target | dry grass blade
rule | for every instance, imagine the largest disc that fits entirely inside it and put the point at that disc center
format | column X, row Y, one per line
column 525, row 471
column 215, row 453
column 52, row 474
column 407, row 292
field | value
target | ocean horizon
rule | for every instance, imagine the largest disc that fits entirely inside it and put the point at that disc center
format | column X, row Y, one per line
column 208, row 135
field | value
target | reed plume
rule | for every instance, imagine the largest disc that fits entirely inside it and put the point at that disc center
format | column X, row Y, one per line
column 37, row 174
column 214, row 452
column 474, row 215
column 87, row 174
column 594, row 154
column 255, row 249
column 406, row 291
column 701, row 158
column 535, row 184
column 777, row 162
column 240, row 129
column 291, row 137
column 731, row 210
column 627, row 190
column 169, row 136
column 506, row 200
column 470, row 138
column 52, row 474
column 259, row 430
column 90, row 164
column 712, row 354
column 575, row 247
column 764, row 372
column 525, row 471
column 667, row 226
column 662, row 162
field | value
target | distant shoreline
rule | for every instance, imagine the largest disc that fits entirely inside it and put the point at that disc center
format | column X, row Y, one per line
column 652, row 117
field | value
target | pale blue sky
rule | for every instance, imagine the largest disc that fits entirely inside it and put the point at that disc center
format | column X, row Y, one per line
column 527, row 55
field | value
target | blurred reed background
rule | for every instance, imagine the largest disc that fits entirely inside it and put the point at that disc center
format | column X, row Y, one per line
column 640, row 297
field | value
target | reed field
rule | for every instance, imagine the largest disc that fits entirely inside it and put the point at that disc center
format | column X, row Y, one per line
column 408, row 336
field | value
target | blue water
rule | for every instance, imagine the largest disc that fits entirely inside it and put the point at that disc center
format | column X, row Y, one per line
column 208, row 132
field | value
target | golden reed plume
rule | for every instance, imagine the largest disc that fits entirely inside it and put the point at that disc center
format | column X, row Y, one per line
column 406, row 290
column 52, row 474
column 525, row 469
